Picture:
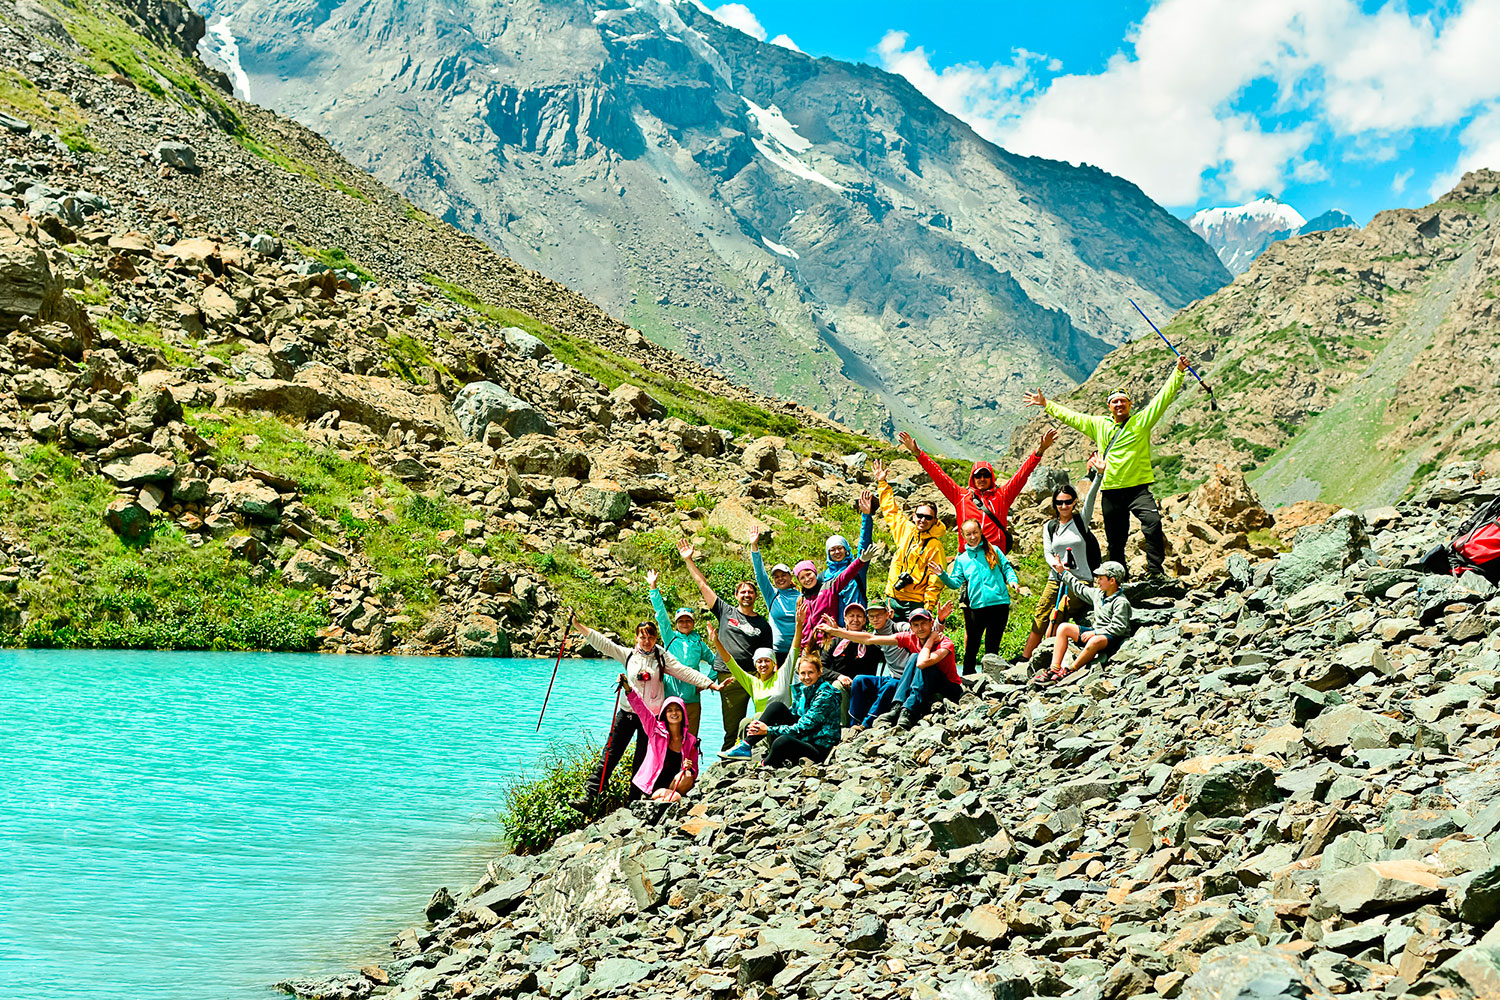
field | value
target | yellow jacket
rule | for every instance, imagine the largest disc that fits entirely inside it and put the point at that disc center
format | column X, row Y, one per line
column 914, row 548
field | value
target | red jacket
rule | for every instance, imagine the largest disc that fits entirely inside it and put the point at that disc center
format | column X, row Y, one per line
column 996, row 500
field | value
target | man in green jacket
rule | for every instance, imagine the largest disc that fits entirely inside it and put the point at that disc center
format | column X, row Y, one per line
column 1124, row 438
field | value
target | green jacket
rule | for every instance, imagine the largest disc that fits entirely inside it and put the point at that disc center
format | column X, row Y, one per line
column 1129, row 460
column 819, row 710
column 691, row 651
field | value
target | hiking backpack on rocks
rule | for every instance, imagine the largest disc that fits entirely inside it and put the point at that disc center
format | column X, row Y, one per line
column 1476, row 546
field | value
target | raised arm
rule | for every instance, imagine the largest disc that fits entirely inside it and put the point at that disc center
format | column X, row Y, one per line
column 1017, row 482
column 663, row 623
column 603, row 643
column 734, row 668
column 1096, row 473
column 956, row 581
column 685, row 549
column 759, row 566
column 1164, row 396
column 944, row 482
column 863, row 638
column 649, row 721
column 866, row 520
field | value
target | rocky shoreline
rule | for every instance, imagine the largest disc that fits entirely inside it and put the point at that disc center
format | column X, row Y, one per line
column 1283, row 785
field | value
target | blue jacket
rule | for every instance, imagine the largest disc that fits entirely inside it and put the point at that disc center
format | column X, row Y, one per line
column 781, row 606
column 691, row 651
column 854, row 590
column 987, row 585
column 820, row 715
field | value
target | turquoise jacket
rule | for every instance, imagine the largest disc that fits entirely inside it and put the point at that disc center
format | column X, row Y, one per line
column 820, row 715
column 987, row 585
column 691, row 650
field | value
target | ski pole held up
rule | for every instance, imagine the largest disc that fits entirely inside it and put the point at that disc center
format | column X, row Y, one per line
column 561, row 646
column 1213, row 403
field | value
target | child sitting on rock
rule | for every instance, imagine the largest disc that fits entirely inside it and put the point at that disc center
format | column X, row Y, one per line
column 1110, row 625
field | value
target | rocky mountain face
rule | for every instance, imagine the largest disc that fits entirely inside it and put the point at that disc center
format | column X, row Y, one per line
column 1241, row 233
column 250, row 397
column 1283, row 785
column 817, row 230
column 1348, row 363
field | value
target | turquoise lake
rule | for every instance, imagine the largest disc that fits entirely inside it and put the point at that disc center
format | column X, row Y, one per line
column 188, row 825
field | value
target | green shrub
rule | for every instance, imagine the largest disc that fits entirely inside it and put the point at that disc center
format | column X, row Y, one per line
column 536, row 811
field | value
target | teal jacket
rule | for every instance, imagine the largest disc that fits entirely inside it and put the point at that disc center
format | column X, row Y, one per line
column 820, row 715
column 691, row 650
column 987, row 585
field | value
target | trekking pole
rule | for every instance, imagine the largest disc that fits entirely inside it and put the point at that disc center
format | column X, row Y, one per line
column 562, row 646
column 1213, row 403
column 609, row 741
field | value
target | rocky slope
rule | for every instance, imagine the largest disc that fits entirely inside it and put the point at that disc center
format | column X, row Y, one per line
column 1348, row 363
column 818, row 230
column 1241, row 233
column 1283, row 786
column 346, row 435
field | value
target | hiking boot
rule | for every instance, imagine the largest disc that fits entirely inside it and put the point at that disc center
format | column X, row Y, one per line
column 908, row 721
column 889, row 718
column 740, row 751
column 581, row 805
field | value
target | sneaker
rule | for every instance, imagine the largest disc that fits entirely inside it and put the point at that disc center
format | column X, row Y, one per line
column 740, row 751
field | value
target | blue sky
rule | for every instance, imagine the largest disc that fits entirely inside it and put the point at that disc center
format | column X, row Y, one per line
column 1322, row 103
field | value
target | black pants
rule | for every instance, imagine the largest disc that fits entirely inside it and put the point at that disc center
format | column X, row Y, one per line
column 785, row 749
column 734, row 700
column 1118, row 506
column 626, row 725
column 986, row 623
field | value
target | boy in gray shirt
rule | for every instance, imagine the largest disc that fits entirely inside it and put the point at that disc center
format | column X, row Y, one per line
column 1109, row 627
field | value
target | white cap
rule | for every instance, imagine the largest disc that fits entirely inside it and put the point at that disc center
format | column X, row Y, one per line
column 764, row 653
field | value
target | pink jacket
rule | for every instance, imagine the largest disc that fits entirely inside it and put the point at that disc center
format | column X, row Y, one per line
column 659, row 740
column 825, row 602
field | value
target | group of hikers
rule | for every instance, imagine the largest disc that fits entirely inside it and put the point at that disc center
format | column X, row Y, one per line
column 825, row 658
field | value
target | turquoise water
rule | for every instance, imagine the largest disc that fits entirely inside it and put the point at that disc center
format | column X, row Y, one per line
column 188, row 825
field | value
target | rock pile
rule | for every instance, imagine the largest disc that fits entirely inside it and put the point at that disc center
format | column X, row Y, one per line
column 1267, row 793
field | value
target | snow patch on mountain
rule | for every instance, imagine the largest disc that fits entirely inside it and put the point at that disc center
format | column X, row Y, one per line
column 1263, row 211
column 778, row 248
column 224, row 49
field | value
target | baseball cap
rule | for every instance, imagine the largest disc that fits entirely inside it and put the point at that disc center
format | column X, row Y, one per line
column 919, row 613
column 781, row 568
column 684, row 613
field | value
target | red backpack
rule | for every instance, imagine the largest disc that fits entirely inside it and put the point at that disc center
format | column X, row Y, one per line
column 1476, row 546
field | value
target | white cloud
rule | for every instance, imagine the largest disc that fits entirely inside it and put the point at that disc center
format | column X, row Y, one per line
column 1402, row 178
column 1480, row 145
column 786, row 42
column 1168, row 110
column 1310, row 172
column 737, row 15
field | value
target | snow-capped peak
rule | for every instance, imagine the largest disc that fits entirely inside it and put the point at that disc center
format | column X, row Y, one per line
column 1262, row 210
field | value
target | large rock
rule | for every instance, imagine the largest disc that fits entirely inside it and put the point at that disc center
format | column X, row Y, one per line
column 1350, row 728
column 481, row 635
column 736, row 519
column 1379, row 886
column 764, row 454
column 377, row 402
column 307, row 569
column 1226, row 502
column 524, row 344
column 601, row 888
column 599, row 500
column 28, row 288
column 539, row 455
column 633, row 399
column 176, row 154
column 1231, row 789
column 1293, row 517
column 134, row 470
column 40, row 385
column 218, row 307
column 480, row 404
column 127, row 518
column 1250, row 973
column 1321, row 551
column 253, row 498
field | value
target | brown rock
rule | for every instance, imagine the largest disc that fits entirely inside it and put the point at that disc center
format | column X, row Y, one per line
column 1300, row 514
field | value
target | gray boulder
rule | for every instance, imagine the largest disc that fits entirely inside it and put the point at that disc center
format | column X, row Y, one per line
column 307, row 569
column 1322, row 550
column 480, row 404
column 176, row 154
column 525, row 344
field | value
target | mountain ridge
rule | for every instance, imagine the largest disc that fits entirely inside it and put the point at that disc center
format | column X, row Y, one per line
column 643, row 166
column 1240, row 233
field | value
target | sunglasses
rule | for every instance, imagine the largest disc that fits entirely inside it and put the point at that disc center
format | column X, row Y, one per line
column 984, row 475
column 1063, row 503
column 925, row 517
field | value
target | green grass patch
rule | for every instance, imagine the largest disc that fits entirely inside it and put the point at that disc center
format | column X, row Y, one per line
column 99, row 592
column 336, row 258
column 536, row 812
column 147, row 335
column 406, row 357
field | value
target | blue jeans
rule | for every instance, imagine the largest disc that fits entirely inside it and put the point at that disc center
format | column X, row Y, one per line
column 919, row 689
column 869, row 696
